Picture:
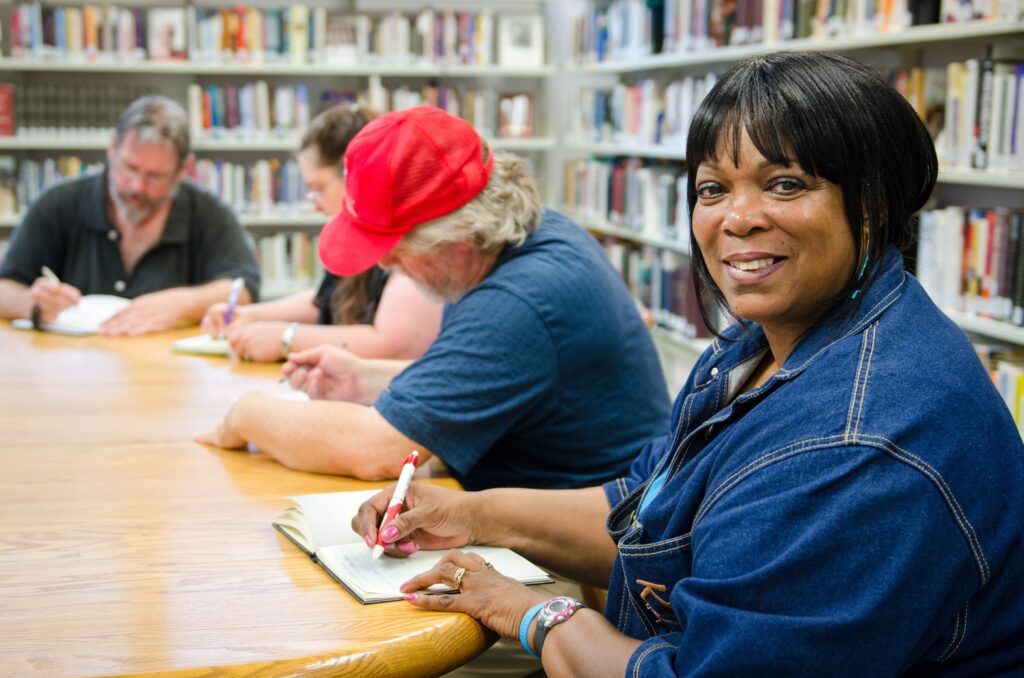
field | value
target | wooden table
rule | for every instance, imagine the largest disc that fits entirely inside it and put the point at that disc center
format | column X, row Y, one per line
column 127, row 548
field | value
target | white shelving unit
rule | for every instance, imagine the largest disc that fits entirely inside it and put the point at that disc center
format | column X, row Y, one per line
column 909, row 43
column 913, row 35
column 173, row 77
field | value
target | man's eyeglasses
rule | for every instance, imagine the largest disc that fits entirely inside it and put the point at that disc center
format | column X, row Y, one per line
column 131, row 173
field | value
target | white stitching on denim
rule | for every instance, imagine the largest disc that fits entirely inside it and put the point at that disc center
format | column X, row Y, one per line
column 873, row 332
column 739, row 474
column 907, row 457
column 947, row 494
column 948, row 650
column 963, row 634
column 684, row 541
column 856, row 388
column 643, row 655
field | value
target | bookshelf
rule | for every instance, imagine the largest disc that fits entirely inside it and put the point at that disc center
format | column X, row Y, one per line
column 401, row 53
column 926, row 46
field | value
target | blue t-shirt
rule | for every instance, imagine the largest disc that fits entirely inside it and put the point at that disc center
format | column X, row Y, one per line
column 543, row 375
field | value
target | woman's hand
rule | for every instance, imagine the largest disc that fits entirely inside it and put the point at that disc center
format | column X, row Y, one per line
column 257, row 341
column 434, row 518
column 497, row 601
column 213, row 320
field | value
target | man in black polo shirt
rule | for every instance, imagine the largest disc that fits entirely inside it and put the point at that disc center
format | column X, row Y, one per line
column 138, row 230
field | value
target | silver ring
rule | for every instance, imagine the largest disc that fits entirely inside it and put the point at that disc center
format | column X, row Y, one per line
column 457, row 579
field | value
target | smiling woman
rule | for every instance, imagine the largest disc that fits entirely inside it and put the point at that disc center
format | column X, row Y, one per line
column 841, row 490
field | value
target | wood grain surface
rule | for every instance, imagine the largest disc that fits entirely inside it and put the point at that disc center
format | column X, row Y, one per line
column 127, row 548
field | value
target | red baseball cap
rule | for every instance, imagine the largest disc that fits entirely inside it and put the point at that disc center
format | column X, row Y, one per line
column 403, row 169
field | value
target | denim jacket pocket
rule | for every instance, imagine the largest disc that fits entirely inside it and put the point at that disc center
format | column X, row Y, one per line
column 651, row 571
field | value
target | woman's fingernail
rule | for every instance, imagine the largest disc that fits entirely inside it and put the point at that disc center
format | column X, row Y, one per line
column 389, row 534
column 369, row 542
column 408, row 547
column 410, row 596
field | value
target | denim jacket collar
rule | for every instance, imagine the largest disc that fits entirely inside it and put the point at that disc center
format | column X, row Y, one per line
column 881, row 289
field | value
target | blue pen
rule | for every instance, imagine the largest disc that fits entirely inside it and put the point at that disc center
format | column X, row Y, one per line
column 236, row 289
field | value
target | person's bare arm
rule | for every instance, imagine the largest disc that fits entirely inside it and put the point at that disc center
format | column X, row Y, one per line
column 16, row 299
column 321, row 436
column 170, row 308
column 296, row 308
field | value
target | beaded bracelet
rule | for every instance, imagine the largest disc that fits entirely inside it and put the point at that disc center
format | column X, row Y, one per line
column 524, row 627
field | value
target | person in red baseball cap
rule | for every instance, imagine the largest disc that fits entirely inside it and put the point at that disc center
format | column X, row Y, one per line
column 543, row 373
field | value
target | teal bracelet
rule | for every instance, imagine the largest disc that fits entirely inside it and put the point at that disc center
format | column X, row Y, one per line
column 524, row 627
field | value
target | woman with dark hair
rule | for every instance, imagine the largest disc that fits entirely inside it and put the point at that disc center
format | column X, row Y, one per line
column 372, row 314
column 841, row 491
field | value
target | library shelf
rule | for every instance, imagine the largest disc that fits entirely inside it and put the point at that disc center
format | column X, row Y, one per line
column 194, row 68
column 913, row 35
column 282, row 144
column 987, row 327
column 601, row 226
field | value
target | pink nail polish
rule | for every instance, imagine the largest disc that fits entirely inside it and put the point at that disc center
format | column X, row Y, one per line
column 408, row 547
column 389, row 534
column 369, row 542
column 410, row 596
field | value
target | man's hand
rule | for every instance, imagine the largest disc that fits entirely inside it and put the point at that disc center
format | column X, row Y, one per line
column 329, row 373
column 52, row 297
column 258, row 341
column 154, row 312
column 226, row 434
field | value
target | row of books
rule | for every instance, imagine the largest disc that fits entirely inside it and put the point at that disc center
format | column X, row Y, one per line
column 259, row 110
column 647, row 198
column 983, row 115
column 250, row 111
column 289, row 260
column 1005, row 365
column 645, row 113
column 972, row 260
column 631, row 29
column 42, row 108
column 297, row 34
column 269, row 186
column 662, row 283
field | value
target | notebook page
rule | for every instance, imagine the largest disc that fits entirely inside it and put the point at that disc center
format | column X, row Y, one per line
column 328, row 516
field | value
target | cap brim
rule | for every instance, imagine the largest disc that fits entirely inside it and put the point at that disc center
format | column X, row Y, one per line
column 347, row 249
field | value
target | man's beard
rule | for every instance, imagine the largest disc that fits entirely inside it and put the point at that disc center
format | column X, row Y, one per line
column 445, row 291
column 147, row 206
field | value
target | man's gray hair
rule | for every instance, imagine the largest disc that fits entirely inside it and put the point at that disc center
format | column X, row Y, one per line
column 504, row 213
column 156, row 118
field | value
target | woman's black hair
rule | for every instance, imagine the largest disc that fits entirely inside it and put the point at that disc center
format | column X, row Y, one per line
column 838, row 120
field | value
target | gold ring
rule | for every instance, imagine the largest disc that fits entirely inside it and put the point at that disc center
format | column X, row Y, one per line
column 457, row 579
column 487, row 564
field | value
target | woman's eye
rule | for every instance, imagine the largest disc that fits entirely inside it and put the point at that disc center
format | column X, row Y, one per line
column 708, row 189
column 786, row 186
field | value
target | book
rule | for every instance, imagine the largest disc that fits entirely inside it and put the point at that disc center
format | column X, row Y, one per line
column 521, row 40
column 83, row 318
column 319, row 525
column 202, row 344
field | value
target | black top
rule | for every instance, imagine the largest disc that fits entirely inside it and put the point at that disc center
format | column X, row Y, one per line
column 375, row 279
column 68, row 229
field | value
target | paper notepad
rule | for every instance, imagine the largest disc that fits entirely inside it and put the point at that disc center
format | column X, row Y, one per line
column 202, row 344
column 319, row 525
column 85, row 317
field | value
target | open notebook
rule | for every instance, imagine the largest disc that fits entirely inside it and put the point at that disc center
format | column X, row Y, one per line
column 319, row 524
column 202, row 344
column 85, row 317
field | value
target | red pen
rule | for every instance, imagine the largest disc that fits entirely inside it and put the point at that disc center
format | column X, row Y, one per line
column 404, row 480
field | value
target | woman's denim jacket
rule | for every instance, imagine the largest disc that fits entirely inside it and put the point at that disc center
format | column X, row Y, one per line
column 861, row 513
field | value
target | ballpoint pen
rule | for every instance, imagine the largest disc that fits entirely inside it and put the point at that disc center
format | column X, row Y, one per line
column 236, row 289
column 401, row 487
column 50, row 275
